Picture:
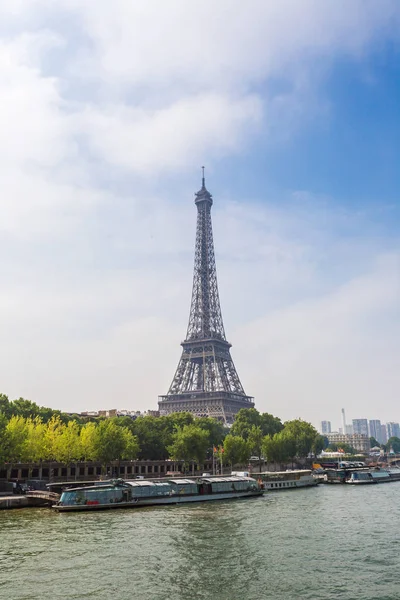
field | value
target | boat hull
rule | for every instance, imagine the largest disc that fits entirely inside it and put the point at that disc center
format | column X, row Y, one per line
column 159, row 501
column 289, row 485
column 287, row 480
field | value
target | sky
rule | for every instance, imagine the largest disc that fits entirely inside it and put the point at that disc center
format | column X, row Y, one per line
column 107, row 113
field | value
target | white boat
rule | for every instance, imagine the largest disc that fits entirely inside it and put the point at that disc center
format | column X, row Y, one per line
column 285, row 480
column 373, row 476
column 133, row 494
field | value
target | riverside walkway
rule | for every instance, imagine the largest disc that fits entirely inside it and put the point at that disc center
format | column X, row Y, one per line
column 32, row 498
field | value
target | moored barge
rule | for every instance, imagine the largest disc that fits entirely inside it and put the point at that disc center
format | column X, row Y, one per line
column 285, row 480
column 133, row 494
column 373, row 476
column 362, row 476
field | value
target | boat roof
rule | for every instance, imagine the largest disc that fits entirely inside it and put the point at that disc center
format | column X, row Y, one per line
column 233, row 478
column 181, row 481
column 144, row 483
column 147, row 483
column 294, row 472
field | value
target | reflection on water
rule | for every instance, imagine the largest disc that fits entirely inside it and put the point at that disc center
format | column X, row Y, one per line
column 329, row 542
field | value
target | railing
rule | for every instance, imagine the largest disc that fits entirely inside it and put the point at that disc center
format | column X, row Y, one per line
column 207, row 396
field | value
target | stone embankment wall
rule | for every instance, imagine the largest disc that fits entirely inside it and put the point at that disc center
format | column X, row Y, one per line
column 87, row 471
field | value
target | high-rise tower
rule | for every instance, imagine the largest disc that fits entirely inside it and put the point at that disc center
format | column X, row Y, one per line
column 206, row 382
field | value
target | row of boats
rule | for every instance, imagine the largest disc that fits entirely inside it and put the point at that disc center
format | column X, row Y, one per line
column 121, row 493
column 362, row 476
column 135, row 493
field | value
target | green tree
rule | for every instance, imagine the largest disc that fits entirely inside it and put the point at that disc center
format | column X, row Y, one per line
column 277, row 448
column 25, row 408
column 17, row 432
column 131, row 445
column 153, row 434
column 4, row 439
column 112, row 442
column 88, row 441
column 270, row 424
column 246, row 418
column 374, row 442
column 189, row 443
column 236, row 450
column 53, row 431
column 5, row 406
column 255, row 442
column 67, row 447
column 180, row 419
column 302, row 434
column 394, row 444
column 215, row 429
column 318, row 444
column 35, row 442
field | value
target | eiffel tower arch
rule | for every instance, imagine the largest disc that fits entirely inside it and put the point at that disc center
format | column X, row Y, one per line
column 205, row 382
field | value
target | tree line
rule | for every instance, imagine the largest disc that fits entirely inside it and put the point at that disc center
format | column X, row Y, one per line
column 44, row 435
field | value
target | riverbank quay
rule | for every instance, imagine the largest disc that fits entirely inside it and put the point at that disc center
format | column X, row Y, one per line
column 32, row 498
column 92, row 471
column 51, row 471
column 8, row 502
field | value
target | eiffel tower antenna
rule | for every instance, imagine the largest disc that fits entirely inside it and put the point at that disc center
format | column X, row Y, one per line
column 206, row 382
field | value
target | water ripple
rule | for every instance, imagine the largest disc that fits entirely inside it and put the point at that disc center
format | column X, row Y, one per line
column 331, row 542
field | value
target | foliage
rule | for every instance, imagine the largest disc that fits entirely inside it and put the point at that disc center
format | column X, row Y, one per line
column 318, row 444
column 112, row 442
column 302, row 436
column 51, row 437
column 30, row 410
column 67, row 447
column 277, row 448
column 215, row 429
column 87, row 441
column 374, row 442
column 35, row 441
column 189, row 442
column 153, row 434
column 5, row 407
column 16, row 429
column 247, row 418
column 393, row 443
column 255, row 441
column 4, row 437
column 32, row 433
column 236, row 450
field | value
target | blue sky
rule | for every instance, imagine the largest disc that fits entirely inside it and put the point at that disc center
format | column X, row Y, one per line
column 108, row 112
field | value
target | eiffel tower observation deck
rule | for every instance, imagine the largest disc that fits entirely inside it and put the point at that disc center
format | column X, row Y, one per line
column 206, row 382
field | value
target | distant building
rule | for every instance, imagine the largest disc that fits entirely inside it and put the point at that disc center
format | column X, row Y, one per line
column 343, row 421
column 393, row 430
column 384, row 437
column 326, row 427
column 108, row 413
column 358, row 441
column 349, row 430
column 119, row 412
column 360, row 426
column 375, row 429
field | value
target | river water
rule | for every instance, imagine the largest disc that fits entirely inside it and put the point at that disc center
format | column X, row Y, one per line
column 328, row 542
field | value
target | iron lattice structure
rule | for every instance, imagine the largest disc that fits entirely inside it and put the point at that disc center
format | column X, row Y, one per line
column 206, row 382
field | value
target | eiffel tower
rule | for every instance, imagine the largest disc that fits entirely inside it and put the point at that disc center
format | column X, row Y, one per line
column 206, row 382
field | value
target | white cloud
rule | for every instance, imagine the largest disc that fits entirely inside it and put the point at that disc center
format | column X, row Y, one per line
column 171, row 137
column 98, row 101
column 340, row 349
